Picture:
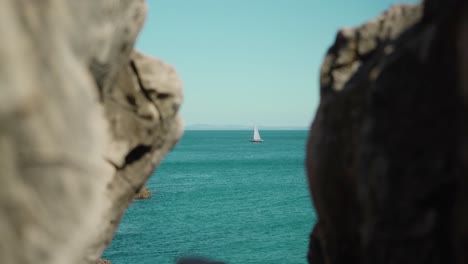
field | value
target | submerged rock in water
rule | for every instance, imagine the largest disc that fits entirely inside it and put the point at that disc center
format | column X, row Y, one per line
column 385, row 156
column 103, row 261
column 144, row 193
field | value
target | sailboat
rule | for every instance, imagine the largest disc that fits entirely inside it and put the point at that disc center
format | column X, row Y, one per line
column 256, row 136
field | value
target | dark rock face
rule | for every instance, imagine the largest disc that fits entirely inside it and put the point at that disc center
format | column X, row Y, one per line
column 384, row 156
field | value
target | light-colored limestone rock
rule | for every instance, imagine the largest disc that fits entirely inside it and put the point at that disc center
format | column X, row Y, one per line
column 52, row 134
column 141, row 109
column 70, row 138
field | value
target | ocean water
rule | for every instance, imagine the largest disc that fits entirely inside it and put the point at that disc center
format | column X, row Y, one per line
column 216, row 195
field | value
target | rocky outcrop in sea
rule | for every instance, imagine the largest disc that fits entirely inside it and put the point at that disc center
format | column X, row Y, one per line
column 103, row 261
column 386, row 156
column 85, row 120
column 144, row 193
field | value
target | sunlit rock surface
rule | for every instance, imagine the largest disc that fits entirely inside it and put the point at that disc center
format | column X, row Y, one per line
column 143, row 125
column 84, row 122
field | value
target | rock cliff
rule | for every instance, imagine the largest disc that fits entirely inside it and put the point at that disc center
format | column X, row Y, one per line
column 385, row 155
column 85, row 120
column 143, row 125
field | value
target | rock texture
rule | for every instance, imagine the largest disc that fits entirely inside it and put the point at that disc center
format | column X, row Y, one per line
column 85, row 120
column 385, row 156
column 141, row 109
column 144, row 193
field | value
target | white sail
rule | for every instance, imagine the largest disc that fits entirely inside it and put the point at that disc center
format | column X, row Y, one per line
column 256, row 135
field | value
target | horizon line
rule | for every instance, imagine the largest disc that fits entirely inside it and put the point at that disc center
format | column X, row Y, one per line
column 201, row 124
column 242, row 127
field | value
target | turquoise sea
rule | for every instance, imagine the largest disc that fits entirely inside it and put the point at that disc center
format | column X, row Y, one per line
column 217, row 195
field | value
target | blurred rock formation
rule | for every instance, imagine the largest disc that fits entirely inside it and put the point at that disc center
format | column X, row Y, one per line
column 386, row 154
column 84, row 122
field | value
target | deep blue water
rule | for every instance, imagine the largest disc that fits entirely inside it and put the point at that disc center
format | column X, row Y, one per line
column 219, row 196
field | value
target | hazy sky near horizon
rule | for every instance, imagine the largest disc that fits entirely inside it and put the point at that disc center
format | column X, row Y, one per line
column 250, row 61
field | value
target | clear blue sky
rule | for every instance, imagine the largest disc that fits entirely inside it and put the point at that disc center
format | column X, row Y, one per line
column 250, row 61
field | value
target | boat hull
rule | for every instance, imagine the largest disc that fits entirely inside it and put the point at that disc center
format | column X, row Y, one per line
column 256, row 141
